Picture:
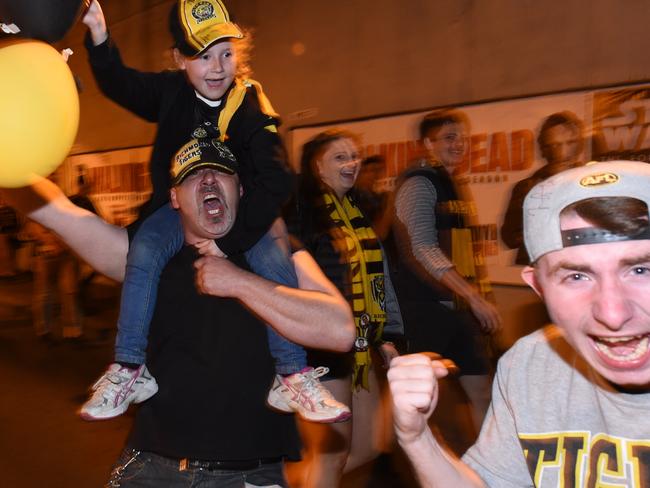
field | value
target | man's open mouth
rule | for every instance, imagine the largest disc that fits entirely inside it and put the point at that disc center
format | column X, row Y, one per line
column 623, row 349
column 213, row 204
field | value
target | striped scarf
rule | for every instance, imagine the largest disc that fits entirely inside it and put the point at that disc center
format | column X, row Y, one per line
column 359, row 248
column 234, row 100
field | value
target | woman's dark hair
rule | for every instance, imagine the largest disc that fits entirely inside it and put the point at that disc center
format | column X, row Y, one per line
column 618, row 215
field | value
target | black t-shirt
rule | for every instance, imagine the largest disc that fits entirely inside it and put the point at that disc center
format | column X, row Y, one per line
column 210, row 358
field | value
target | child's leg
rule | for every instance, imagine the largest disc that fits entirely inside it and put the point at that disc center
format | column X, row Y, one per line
column 271, row 259
column 158, row 239
column 295, row 388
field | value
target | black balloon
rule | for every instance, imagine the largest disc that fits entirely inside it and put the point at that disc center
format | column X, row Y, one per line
column 46, row 20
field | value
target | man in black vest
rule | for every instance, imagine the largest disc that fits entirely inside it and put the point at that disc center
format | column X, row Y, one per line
column 436, row 278
column 209, row 424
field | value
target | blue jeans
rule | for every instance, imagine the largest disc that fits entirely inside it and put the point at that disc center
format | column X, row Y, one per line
column 157, row 240
column 137, row 469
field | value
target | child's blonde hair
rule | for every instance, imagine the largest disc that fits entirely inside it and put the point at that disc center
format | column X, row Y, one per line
column 244, row 51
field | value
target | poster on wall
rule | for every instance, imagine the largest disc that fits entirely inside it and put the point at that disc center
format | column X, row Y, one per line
column 118, row 181
column 621, row 118
column 503, row 149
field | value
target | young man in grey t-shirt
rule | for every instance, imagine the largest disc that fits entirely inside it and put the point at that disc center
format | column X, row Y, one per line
column 570, row 402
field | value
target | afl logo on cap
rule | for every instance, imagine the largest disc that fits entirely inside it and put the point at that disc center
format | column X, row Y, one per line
column 599, row 179
column 202, row 11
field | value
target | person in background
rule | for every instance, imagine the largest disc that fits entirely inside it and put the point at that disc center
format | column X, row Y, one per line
column 561, row 143
column 56, row 284
column 443, row 289
column 374, row 199
column 326, row 218
column 81, row 199
column 8, row 230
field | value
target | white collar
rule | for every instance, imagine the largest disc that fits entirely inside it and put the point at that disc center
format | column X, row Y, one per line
column 210, row 103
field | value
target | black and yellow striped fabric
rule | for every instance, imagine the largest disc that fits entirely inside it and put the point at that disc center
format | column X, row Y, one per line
column 234, row 100
column 358, row 246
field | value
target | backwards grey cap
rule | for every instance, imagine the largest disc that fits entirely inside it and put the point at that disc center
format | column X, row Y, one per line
column 547, row 199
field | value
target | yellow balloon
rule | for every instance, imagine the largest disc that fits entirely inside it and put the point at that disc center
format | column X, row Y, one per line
column 39, row 108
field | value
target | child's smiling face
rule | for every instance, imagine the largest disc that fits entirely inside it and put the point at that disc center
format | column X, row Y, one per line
column 212, row 72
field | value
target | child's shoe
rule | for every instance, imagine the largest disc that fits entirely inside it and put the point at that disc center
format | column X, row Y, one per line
column 117, row 388
column 304, row 394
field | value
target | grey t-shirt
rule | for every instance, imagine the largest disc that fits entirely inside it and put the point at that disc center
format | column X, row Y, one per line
column 554, row 422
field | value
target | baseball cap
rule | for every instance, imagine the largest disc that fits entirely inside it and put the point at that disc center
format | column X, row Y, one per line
column 196, row 24
column 202, row 153
column 545, row 202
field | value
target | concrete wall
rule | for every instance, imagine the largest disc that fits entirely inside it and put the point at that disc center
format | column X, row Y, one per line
column 357, row 58
column 365, row 57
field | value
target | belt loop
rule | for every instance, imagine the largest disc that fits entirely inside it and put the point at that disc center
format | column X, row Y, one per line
column 118, row 472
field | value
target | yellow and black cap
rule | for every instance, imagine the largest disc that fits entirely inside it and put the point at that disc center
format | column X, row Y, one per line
column 202, row 153
column 196, row 24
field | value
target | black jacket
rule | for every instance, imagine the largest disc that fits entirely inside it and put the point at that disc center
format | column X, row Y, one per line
column 169, row 100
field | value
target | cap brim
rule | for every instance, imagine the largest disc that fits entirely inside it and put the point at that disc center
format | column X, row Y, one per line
column 208, row 36
column 193, row 167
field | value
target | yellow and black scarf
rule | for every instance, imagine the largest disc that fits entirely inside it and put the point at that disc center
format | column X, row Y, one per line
column 466, row 249
column 234, row 100
column 359, row 249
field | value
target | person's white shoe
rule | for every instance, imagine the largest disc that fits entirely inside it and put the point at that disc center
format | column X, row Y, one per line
column 116, row 389
column 304, row 394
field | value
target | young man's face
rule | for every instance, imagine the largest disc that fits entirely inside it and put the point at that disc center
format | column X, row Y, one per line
column 448, row 145
column 562, row 144
column 207, row 201
column 213, row 71
column 599, row 294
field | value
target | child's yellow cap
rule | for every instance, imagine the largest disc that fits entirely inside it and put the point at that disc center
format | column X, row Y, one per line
column 197, row 24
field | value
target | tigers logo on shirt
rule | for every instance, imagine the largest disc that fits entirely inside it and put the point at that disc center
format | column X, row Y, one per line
column 378, row 291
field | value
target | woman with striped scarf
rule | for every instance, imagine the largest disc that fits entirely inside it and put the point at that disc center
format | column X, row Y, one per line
column 326, row 217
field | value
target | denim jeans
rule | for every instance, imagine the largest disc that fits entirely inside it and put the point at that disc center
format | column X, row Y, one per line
column 158, row 239
column 136, row 469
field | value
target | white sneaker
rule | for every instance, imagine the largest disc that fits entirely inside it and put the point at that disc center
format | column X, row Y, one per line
column 117, row 388
column 304, row 394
